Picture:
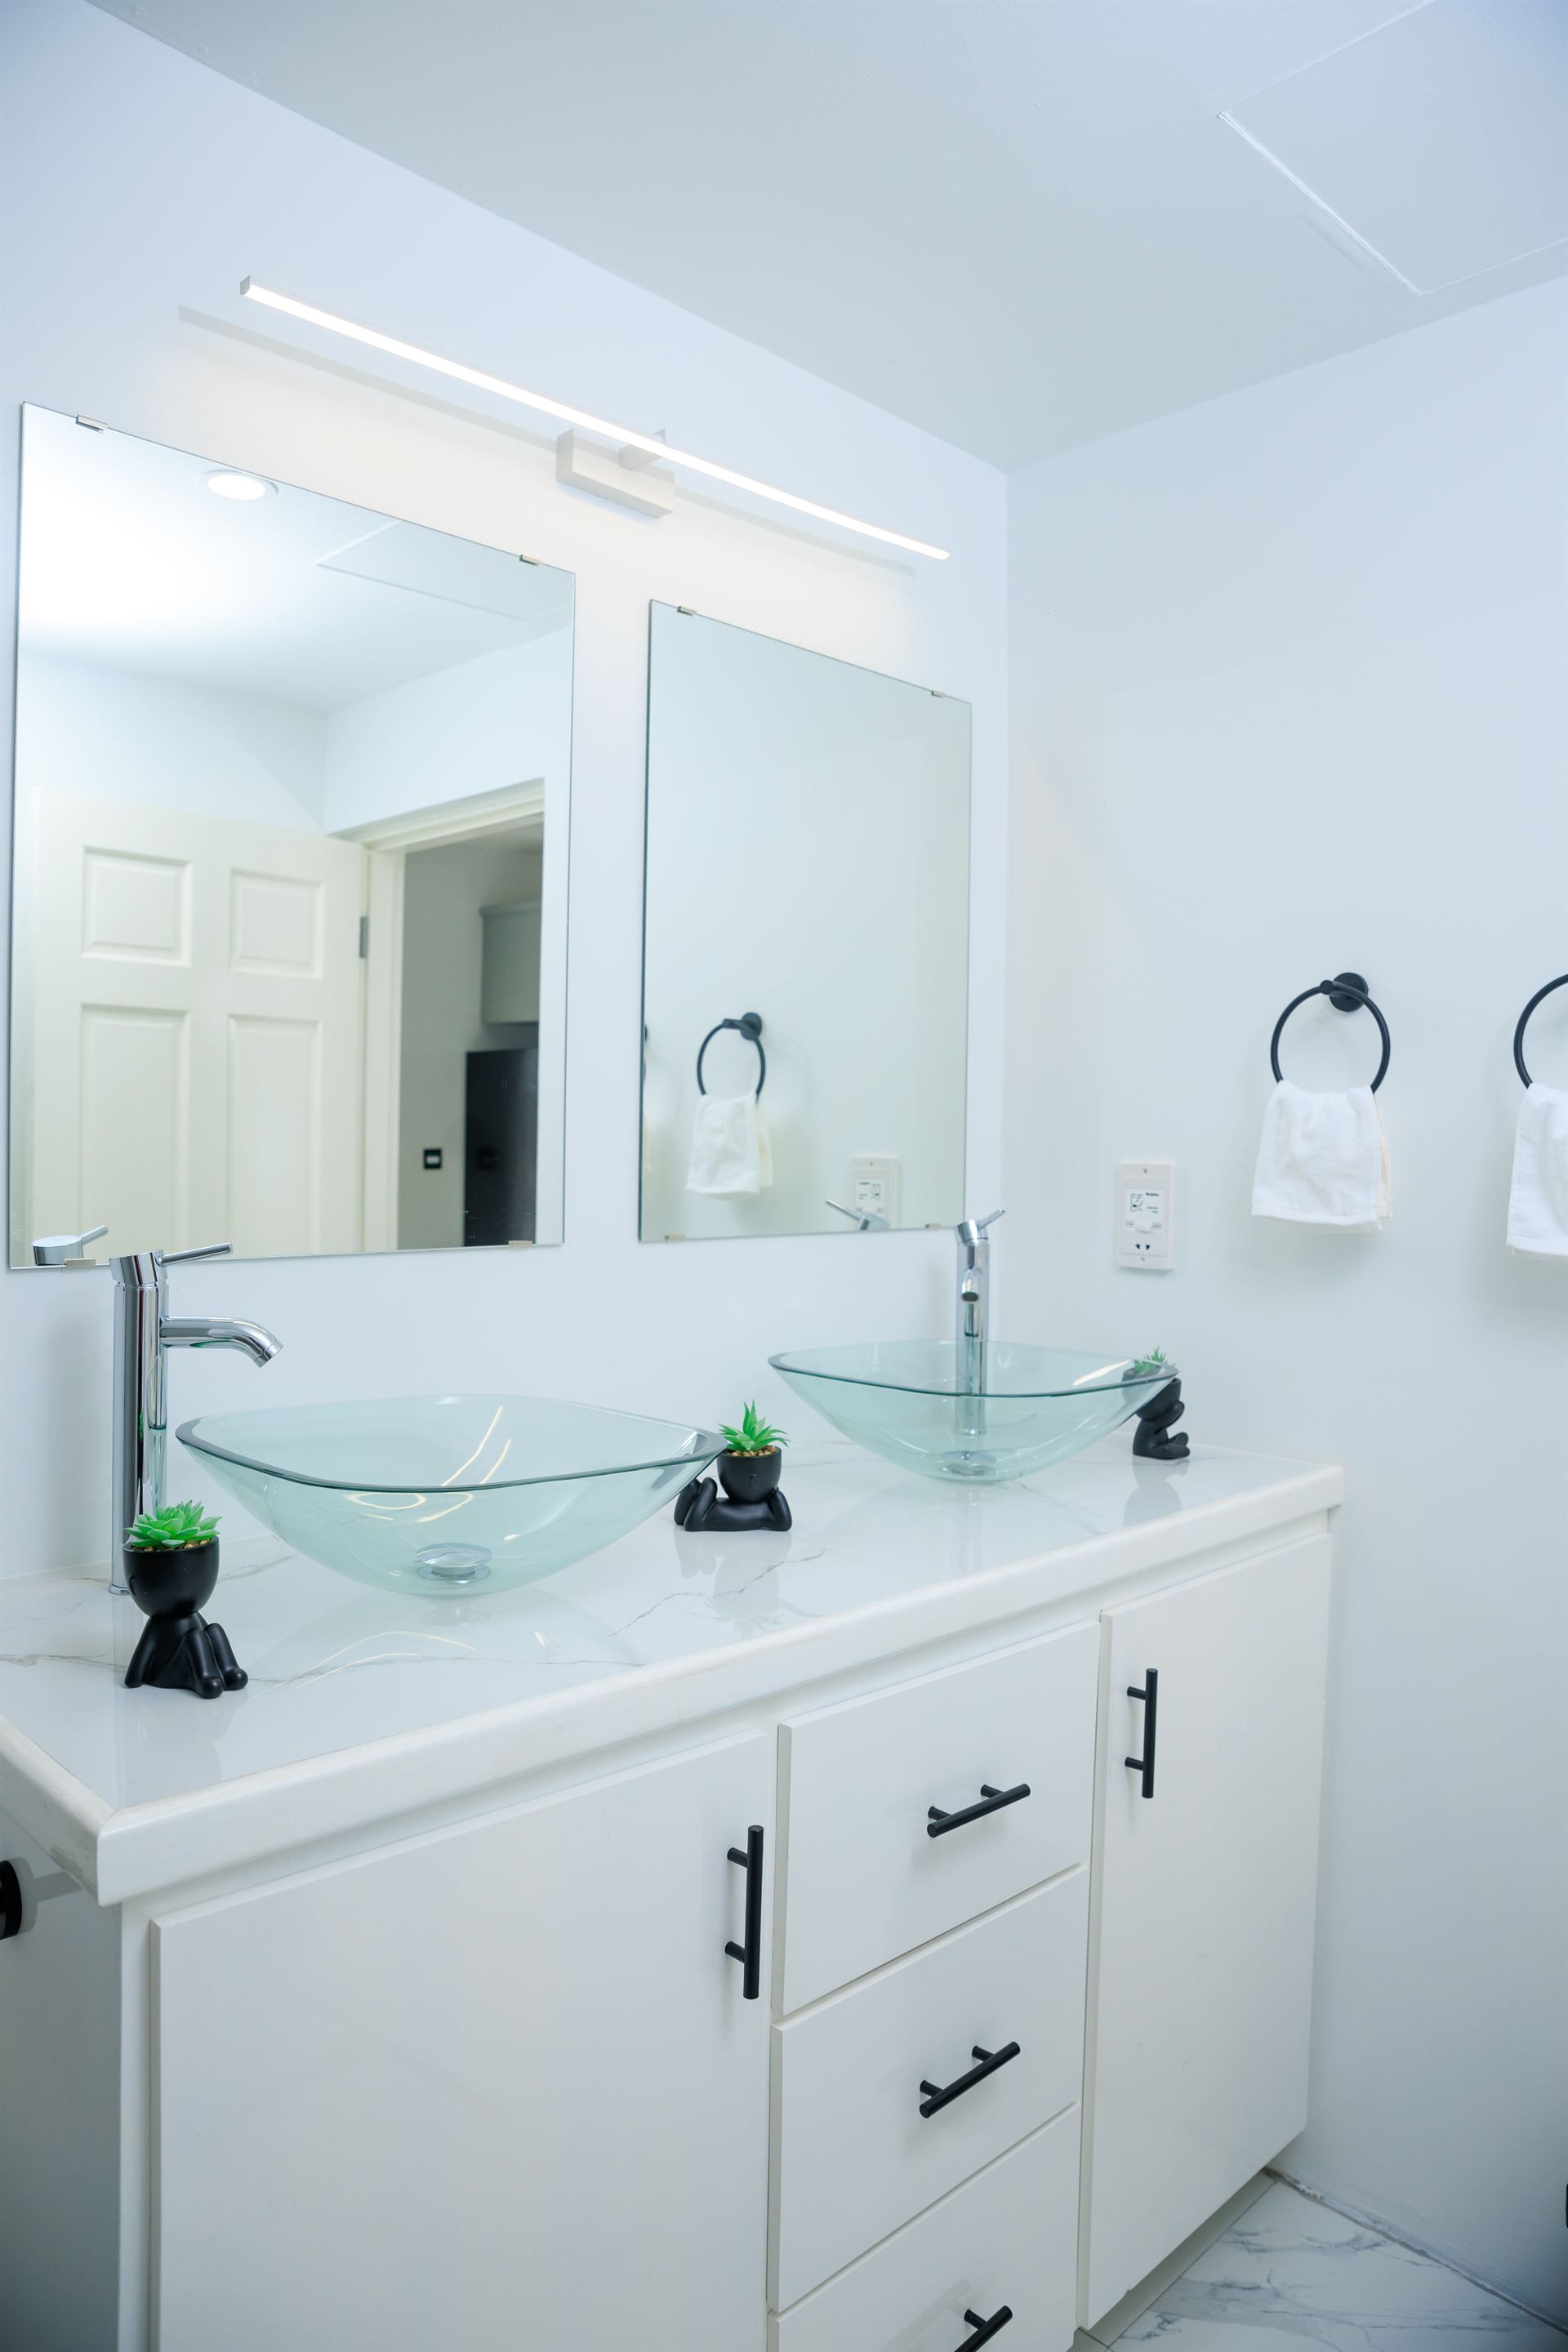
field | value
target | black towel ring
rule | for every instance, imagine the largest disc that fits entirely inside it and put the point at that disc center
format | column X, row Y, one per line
column 1561, row 982
column 750, row 1025
column 1347, row 993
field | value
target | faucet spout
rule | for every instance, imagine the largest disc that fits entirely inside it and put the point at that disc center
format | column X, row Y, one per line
column 195, row 1331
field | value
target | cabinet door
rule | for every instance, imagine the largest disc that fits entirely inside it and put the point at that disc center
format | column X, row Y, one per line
column 492, row 2087
column 1206, row 1903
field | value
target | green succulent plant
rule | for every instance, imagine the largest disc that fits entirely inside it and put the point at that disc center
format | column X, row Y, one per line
column 1144, row 1368
column 173, row 1528
column 754, row 1435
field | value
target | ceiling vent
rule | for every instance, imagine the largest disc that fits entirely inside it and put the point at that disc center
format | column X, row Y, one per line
column 1436, row 145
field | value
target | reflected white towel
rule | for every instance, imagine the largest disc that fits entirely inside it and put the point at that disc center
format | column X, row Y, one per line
column 1323, row 1159
column 729, row 1148
column 1538, row 1199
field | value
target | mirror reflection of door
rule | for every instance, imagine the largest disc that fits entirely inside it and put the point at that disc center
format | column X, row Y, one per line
column 182, row 963
column 290, row 866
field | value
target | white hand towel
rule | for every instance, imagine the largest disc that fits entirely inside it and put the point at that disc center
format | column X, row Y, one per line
column 1323, row 1159
column 731, row 1153
column 1538, row 1200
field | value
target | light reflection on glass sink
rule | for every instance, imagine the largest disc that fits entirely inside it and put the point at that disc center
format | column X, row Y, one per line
column 453, row 1494
column 974, row 1412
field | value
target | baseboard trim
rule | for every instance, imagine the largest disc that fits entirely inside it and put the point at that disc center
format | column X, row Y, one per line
column 1413, row 2245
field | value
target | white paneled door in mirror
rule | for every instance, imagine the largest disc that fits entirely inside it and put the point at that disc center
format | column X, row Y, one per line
column 806, row 943
column 290, row 897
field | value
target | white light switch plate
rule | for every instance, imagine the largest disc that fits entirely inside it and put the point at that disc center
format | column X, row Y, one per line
column 1144, row 1224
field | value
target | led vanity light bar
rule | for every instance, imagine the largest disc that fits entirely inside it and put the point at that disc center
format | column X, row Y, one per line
column 580, row 417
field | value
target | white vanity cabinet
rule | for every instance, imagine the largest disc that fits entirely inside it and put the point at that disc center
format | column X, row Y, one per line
column 1205, row 1890
column 493, row 2090
column 431, row 2041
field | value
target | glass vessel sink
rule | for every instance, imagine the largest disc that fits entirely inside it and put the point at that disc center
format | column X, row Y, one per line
column 979, row 1412
column 452, row 1494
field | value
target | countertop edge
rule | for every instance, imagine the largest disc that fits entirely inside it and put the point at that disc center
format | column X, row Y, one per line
column 142, row 1851
column 51, row 1805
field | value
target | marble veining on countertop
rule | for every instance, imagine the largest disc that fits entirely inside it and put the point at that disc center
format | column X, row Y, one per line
column 334, row 1664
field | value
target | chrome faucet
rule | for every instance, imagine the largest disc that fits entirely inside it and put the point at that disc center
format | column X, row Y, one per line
column 145, row 1331
column 974, row 1278
column 865, row 1221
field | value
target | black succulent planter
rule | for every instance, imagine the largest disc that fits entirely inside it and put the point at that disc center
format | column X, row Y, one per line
column 747, row 1477
column 178, row 1649
column 752, row 1497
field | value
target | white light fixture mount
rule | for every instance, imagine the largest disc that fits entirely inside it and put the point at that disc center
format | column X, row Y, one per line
column 625, row 477
column 581, row 420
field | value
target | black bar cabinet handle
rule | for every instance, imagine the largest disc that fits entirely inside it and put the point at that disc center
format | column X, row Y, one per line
column 991, row 1801
column 750, row 1953
column 939, row 2095
column 985, row 2328
column 1149, row 1691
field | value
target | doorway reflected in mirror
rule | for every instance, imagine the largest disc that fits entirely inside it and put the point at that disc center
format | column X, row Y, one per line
column 292, row 788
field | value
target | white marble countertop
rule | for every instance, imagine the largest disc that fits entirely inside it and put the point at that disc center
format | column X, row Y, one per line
column 363, row 1704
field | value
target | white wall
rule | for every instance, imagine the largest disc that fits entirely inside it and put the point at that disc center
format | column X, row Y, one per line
column 165, row 743
column 138, row 189
column 1288, row 698
column 503, row 718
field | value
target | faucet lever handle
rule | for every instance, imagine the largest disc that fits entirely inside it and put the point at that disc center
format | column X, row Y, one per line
column 207, row 1249
column 60, row 1249
column 980, row 1222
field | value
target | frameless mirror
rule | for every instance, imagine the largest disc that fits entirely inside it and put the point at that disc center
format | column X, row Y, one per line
column 289, row 882
column 807, row 941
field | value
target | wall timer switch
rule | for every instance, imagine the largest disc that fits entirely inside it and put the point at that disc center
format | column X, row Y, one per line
column 875, row 1185
column 1144, row 1199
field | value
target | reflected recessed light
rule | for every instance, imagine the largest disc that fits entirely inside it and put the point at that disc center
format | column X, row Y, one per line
column 244, row 488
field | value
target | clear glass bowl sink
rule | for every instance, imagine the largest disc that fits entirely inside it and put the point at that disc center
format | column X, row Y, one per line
column 453, row 1494
column 979, row 1413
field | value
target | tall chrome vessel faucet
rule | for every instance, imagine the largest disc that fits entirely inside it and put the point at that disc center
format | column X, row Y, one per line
column 974, row 1278
column 143, row 1333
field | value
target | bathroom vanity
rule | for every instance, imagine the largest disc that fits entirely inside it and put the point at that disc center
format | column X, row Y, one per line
column 820, row 1942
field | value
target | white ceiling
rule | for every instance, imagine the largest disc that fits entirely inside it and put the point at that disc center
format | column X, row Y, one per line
column 1020, row 224
column 128, row 560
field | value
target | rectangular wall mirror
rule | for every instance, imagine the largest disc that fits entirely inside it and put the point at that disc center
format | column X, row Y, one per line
column 807, row 941
column 290, row 881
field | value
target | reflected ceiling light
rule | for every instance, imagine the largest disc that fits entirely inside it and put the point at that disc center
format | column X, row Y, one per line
column 582, row 418
column 242, row 487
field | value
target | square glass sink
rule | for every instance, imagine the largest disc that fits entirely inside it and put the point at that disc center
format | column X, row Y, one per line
column 975, row 1411
column 449, row 1494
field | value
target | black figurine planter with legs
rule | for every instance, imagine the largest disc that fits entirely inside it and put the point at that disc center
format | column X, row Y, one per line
column 1154, row 1441
column 749, row 1472
column 169, row 1582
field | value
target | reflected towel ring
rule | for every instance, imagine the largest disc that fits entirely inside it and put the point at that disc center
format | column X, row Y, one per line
column 1561, row 982
column 1347, row 993
column 750, row 1025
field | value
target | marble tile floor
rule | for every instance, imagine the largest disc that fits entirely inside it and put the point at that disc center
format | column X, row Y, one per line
column 1289, row 2273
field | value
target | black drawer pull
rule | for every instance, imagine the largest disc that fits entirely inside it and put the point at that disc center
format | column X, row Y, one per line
column 986, row 2328
column 991, row 1801
column 939, row 2094
column 750, row 1953
column 1149, row 1691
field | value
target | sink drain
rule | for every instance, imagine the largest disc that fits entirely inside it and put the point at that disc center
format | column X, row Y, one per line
column 454, row 1563
column 969, row 1466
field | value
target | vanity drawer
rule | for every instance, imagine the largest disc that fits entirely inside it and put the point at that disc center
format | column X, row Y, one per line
column 1007, row 2239
column 852, row 2154
column 864, row 1880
